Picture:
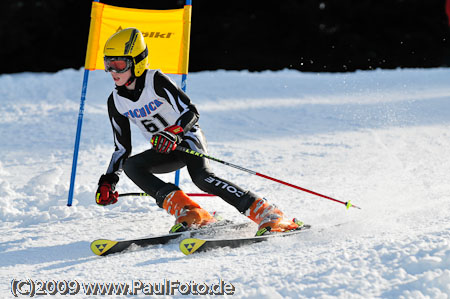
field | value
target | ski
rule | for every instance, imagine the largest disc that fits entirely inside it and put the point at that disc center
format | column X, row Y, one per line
column 105, row 247
column 191, row 245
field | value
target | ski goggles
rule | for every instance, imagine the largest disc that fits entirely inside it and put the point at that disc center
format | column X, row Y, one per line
column 117, row 64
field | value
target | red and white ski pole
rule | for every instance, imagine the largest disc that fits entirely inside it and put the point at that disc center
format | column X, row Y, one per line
column 195, row 153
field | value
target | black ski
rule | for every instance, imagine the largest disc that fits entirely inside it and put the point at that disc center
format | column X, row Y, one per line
column 191, row 245
column 105, row 247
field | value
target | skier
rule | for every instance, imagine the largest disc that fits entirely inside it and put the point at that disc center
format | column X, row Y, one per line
column 167, row 118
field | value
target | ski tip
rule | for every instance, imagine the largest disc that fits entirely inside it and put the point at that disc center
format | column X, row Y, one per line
column 101, row 246
column 191, row 245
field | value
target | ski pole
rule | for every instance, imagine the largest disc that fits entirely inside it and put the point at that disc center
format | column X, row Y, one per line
column 195, row 153
column 145, row 194
column 133, row 194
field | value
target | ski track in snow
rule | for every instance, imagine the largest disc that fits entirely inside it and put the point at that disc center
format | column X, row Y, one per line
column 379, row 139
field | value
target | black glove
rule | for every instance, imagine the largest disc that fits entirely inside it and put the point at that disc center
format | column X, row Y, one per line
column 105, row 194
column 166, row 141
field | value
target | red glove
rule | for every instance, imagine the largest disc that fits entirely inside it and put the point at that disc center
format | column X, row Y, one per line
column 166, row 141
column 105, row 193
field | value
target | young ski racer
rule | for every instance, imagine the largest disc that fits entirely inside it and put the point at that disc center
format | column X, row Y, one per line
column 167, row 118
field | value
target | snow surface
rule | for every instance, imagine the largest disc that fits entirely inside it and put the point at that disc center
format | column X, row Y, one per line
column 378, row 138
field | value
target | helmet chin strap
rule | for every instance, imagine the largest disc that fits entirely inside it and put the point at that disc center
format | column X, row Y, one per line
column 131, row 80
column 132, row 77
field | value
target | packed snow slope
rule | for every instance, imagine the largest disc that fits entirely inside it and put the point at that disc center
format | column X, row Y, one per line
column 378, row 138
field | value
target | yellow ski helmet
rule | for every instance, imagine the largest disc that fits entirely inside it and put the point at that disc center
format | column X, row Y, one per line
column 128, row 43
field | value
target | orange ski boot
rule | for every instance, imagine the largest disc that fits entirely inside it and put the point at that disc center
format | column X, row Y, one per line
column 187, row 212
column 269, row 218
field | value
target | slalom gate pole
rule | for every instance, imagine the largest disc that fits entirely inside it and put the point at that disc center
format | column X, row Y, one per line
column 77, row 138
column 76, row 147
column 195, row 153
column 183, row 87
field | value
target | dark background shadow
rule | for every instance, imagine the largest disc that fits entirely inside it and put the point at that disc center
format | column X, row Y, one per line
column 308, row 35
